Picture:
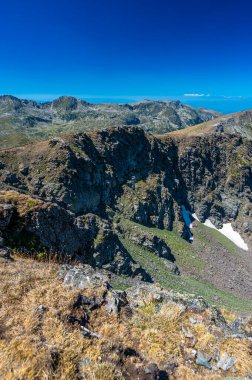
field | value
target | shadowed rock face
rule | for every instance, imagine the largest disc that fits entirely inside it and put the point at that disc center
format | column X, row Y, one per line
column 22, row 121
column 123, row 171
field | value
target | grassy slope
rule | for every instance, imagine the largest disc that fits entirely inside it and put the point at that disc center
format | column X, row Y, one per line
column 185, row 258
column 37, row 345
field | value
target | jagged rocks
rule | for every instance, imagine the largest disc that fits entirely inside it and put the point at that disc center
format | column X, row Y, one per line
column 145, row 178
column 116, row 302
column 203, row 360
column 42, row 225
column 105, row 250
column 225, row 362
column 151, row 242
column 6, row 213
column 149, row 202
column 171, row 267
column 151, row 293
column 82, row 277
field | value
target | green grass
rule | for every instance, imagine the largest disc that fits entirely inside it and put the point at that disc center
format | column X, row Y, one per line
column 185, row 256
column 223, row 240
column 117, row 285
column 154, row 265
column 180, row 248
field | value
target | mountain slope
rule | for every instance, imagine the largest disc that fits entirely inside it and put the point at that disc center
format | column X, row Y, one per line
column 117, row 199
column 240, row 122
column 22, row 121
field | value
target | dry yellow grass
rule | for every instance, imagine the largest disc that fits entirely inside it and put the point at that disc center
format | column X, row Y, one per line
column 22, row 202
column 39, row 346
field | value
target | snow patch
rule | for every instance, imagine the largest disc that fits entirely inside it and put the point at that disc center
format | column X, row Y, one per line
column 228, row 231
column 208, row 223
column 234, row 236
column 195, row 217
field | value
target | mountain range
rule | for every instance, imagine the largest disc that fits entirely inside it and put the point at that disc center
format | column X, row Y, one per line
column 24, row 121
column 125, row 241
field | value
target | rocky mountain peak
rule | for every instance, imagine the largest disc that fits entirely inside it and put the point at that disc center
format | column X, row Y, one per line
column 23, row 120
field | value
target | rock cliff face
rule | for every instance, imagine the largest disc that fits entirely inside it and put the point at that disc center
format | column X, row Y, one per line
column 77, row 189
column 22, row 121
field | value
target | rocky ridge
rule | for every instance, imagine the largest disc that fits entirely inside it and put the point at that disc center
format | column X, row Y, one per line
column 236, row 123
column 23, row 121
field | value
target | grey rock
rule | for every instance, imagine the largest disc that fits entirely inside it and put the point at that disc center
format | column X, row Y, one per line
column 41, row 308
column 84, row 362
column 24, row 170
column 115, row 301
column 203, row 360
column 216, row 355
column 151, row 293
column 84, row 277
column 172, row 267
column 5, row 254
column 225, row 362
column 86, row 333
column 150, row 242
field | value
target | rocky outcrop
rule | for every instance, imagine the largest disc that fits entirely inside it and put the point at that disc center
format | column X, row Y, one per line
column 31, row 224
column 105, row 249
column 147, row 179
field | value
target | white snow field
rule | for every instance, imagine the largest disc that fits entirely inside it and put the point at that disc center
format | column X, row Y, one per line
column 227, row 229
column 230, row 233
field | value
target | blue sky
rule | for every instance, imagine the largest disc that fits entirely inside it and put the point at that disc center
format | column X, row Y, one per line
column 127, row 50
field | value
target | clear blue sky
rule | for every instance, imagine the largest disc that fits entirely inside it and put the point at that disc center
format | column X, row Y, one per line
column 126, row 49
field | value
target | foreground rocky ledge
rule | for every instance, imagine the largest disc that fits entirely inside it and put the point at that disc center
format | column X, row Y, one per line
column 68, row 322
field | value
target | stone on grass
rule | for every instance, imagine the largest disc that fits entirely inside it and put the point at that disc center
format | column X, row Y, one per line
column 203, row 360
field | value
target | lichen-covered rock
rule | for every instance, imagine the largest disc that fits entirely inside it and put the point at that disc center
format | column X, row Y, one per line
column 143, row 293
column 203, row 360
column 225, row 362
column 82, row 277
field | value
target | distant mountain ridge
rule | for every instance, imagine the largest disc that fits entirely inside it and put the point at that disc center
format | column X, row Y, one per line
column 239, row 122
column 23, row 121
